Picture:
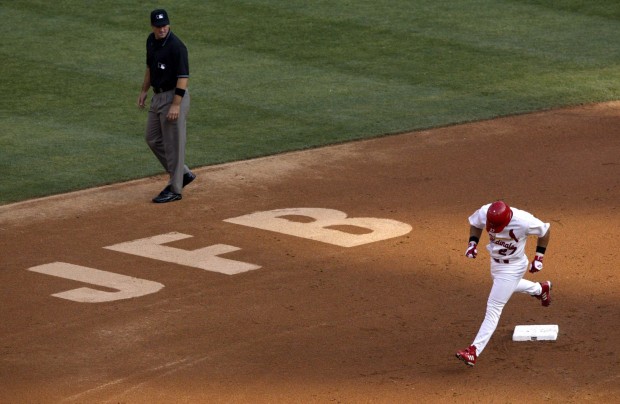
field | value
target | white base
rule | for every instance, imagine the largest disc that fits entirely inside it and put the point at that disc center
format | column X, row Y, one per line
column 536, row 332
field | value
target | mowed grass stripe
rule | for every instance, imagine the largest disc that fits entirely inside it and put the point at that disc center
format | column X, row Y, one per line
column 270, row 76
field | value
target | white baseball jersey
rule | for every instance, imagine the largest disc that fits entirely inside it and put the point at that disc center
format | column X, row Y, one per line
column 509, row 244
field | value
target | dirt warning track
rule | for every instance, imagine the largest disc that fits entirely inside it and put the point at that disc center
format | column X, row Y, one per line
column 335, row 274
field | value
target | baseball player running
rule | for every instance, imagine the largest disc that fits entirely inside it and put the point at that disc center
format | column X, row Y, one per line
column 508, row 230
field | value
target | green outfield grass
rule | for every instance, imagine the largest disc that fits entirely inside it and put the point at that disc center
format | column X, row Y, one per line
column 269, row 76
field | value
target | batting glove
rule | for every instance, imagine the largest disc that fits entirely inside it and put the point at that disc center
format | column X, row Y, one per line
column 472, row 250
column 537, row 263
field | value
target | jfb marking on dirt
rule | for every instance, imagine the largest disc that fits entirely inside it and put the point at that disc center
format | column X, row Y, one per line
column 318, row 224
column 324, row 226
column 206, row 258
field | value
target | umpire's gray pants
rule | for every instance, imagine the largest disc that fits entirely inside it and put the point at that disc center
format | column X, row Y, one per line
column 167, row 138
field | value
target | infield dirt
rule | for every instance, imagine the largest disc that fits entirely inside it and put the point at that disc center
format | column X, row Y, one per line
column 317, row 322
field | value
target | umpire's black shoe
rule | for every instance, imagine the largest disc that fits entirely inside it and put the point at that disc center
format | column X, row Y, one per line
column 167, row 196
column 188, row 177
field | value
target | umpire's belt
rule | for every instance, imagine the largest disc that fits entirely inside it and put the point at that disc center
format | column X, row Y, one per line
column 158, row 90
column 501, row 261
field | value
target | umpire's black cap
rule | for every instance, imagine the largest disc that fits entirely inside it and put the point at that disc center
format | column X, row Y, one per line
column 159, row 18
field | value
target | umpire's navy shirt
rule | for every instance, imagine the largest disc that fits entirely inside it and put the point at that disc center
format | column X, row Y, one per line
column 167, row 60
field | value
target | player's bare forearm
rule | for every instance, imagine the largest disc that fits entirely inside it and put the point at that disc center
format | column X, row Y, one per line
column 544, row 240
column 474, row 232
column 474, row 238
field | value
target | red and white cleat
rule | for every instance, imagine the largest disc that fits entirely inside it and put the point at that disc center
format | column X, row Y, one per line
column 468, row 355
column 545, row 295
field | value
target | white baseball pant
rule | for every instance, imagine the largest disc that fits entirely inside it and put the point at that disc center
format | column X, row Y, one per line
column 507, row 279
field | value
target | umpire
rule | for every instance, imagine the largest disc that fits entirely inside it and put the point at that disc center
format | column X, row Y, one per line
column 167, row 71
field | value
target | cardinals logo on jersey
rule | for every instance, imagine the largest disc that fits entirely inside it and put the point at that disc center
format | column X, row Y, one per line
column 511, row 233
column 508, row 246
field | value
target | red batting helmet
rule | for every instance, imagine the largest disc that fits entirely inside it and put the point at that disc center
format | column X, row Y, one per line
column 498, row 216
